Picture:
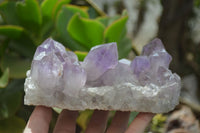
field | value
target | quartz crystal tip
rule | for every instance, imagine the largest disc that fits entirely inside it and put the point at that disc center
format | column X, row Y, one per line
column 49, row 46
column 100, row 59
column 147, row 66
column 54, row 69
column 152, row 47
column 155, row 50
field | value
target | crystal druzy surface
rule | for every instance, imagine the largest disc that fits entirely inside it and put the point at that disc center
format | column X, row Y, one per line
column 58, row 79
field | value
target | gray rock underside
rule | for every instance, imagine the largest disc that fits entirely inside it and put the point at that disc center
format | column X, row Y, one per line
column 123, row 97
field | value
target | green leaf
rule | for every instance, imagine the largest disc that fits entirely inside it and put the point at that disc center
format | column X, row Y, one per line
column 11, row 98
column 114, row 32
column 8, row 12
column 124, row 47
column 106, row 21
column 132, row 117
column 24, row 46
column 4, row 78
column 20, row 41
column 17, row 66
column 3, row 47
column 84, row 118
column 48, row 7
column 92, row 13
column 86, row 31
column 57, row 110
column 48, row 19
column 61, row 27
column 29, row 14
column 11, row 31
column 81, row 55
column 12, row 125
column 58, row 6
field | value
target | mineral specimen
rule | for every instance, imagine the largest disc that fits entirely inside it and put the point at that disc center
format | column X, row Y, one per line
column 99, row 60
column 58, row 79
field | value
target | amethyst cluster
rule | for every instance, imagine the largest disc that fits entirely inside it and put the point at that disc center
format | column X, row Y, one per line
column 58, row 79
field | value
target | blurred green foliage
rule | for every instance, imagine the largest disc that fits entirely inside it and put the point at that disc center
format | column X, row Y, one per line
column 158, row 123
column 26, row 24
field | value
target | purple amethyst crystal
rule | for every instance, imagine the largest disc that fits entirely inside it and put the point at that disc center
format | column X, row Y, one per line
column 49, row 46
column 147, row 67
column 153, row 47
column 47, row 64
column 120, row 74
column 99, row 60
column 146, row 84
column 157, row 53
column 53, row 68
column 141, row 64
column 74, row 78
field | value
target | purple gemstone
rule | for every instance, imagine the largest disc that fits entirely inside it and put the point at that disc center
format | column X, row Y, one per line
column 71, row 56
column 99, row 60
column 147, row 66
column 154, row 46
column 122, row 73
column 74, row 78
column 47, row 71
column 157, row 53
column 49, row 46
column 55, row 68
column 140, row 64
column 160, row 59
column 163, row 75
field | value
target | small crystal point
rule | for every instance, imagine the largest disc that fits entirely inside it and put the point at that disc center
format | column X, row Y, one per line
column 122, row 73
column 49, row 46
column 157, row 53
column 71, row 56
column 99, row 60
column 74, row 79
column 52, row 64
column 154, row 46
column 140, row 64
column 46, row 68
column 47, row 71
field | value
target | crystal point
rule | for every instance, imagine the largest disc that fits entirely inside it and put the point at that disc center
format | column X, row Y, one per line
column 49, row 46
column 74, row 78
column 147, row 67
column 157, row 53
column 99, row 60
column 154, row 46
column 140, row 64
column 121, row 74
column 53, row 68
column 45, row 70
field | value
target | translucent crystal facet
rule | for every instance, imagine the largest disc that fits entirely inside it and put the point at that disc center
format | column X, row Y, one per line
column 153, row 47
column 146, row 84
column 157, row 53
column 140, row 65
column 54, row 68
column 99, row 60
column 147, row 67
column 121, row 74
column 50, row 46
column 74, row 79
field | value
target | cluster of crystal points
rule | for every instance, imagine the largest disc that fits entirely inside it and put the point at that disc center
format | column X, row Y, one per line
column 58, row 79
